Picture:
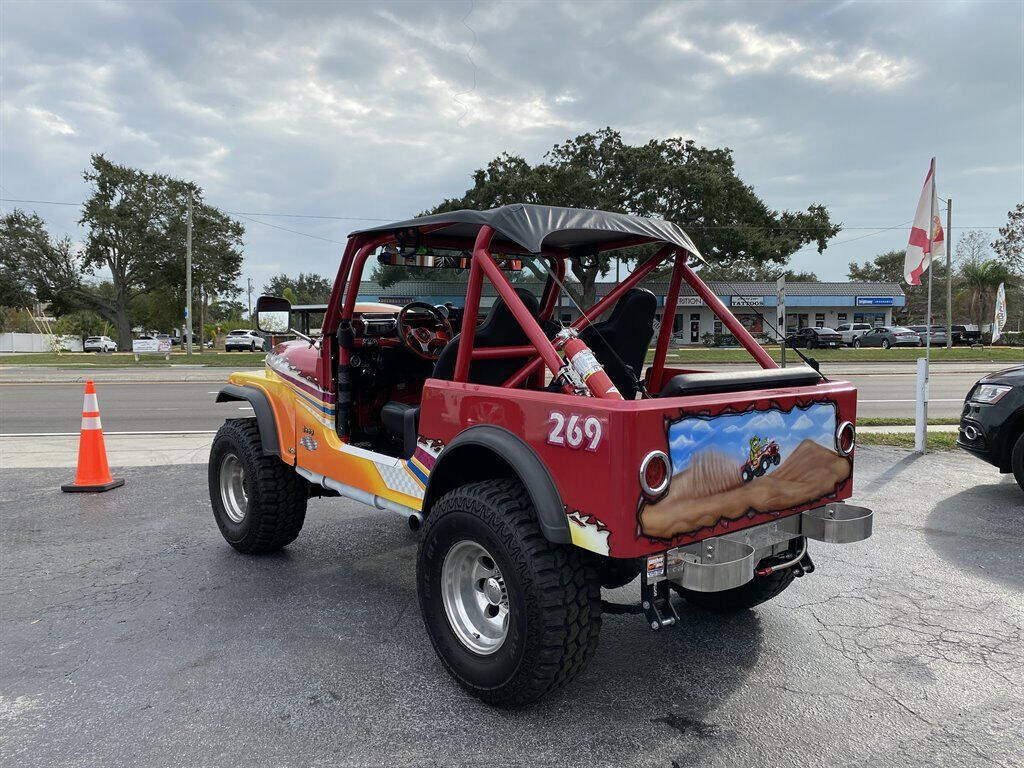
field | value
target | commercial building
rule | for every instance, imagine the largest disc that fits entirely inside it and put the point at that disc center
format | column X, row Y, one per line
column 821, row 305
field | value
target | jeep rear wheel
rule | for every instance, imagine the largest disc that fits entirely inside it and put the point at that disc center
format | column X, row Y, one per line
column 258, row 501
column 511, row 615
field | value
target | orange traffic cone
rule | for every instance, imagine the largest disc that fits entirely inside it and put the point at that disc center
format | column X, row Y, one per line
column 93, row 473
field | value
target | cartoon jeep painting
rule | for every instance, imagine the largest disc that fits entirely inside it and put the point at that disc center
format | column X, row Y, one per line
column 540, row 463
column 762, row 457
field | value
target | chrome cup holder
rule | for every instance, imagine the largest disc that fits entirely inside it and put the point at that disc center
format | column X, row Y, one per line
column 837, row 523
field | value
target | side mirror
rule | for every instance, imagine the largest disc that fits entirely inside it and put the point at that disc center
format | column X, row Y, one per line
column 273, row 314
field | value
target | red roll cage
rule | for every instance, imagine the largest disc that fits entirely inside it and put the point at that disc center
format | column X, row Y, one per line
column 544, row 352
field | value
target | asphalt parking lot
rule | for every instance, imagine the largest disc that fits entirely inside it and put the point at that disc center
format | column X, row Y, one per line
column 133, row 635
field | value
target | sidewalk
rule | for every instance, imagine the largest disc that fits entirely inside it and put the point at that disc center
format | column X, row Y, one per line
column 906, row 429
column 29, row 374
column 123, row 450
column 156, row 449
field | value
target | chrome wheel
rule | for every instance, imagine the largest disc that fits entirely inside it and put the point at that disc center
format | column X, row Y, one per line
column 232, row 487
column 475, row 598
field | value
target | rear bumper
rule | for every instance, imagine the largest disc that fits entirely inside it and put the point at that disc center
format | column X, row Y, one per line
column 728, row 561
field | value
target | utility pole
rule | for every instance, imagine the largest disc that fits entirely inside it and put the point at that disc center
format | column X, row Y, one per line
column 949, row 273
column 188, row 275
column 248, row 281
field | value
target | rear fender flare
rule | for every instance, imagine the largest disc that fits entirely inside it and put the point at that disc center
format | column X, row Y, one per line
column 485, row 452
column 261, row 408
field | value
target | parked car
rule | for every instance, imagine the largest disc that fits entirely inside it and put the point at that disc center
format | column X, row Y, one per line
column 992, row 422
column 533, row 496
column 938, row 334
column 814, row 338
column 100, row 344
column 851, row 331
column 963, row 335
column 243, row 339
column 888, row 336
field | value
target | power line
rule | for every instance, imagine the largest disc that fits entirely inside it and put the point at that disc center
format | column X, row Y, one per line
column 286, row 229
column 874, row 229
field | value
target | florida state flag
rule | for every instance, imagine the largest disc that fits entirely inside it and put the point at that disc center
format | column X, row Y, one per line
column 927, row 238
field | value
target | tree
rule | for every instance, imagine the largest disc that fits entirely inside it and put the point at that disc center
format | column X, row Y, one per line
column 972, row 248
column 752, row 272
column 306, row 288
column 19, row 233
column 981, row 281
column 888, row 268
column 136, row 234
column 1010, row 243
column 673, row 179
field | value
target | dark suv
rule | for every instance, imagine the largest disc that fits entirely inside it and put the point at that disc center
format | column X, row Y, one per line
column 992, row 423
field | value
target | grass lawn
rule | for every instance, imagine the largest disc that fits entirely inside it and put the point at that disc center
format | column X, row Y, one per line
column 900, row 421
column 936, row 441
column 127, row 360
column 848, row 354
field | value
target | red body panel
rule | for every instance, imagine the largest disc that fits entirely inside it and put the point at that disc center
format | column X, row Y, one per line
column 604, row 483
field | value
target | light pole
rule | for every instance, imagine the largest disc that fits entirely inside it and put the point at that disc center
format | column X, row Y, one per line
column 188, row 275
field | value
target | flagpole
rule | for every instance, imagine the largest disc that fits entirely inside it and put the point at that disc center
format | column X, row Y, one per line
column 923, row 415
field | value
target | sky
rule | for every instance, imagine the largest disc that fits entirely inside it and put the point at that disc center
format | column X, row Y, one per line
column 731, row 436
column 372, row 112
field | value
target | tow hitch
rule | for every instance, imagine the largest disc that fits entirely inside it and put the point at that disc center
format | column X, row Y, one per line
column 655, row 604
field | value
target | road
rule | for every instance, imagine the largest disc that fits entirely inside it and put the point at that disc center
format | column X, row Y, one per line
column 136, row 637
column 124, row 407
column 146, row 406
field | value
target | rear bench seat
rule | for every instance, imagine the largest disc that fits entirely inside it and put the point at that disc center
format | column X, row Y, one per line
column 686, row 384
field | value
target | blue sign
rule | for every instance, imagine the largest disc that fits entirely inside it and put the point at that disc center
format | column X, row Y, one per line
column 874, row 301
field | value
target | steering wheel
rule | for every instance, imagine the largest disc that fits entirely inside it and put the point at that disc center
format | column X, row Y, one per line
column 426, row 343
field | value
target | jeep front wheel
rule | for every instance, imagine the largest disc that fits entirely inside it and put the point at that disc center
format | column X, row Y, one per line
column 511, row 615
column 258, row 501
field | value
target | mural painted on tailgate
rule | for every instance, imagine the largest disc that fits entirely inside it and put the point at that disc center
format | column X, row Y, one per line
column 744, row 464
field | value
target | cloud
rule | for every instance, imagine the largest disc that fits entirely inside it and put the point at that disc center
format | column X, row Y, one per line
column 382, row 110
column 766, row 421
column 742, row 48
column 51, row 123
column 802, row 424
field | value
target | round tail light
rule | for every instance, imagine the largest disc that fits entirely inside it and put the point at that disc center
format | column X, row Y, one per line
column 655, row 473
column 846, row 438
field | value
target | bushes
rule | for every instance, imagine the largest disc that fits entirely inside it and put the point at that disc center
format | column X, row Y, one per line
column 719, row 340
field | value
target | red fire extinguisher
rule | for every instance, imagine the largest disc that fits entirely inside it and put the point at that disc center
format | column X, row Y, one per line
column 585, row 364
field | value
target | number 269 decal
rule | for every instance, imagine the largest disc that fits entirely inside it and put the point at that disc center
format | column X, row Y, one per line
column 575, row 431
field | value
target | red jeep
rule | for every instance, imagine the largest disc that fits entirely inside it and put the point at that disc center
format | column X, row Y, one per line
column 542, row 462
column 759, row 463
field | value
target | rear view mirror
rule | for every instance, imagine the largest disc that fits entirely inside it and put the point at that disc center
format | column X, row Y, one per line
column 273, row 315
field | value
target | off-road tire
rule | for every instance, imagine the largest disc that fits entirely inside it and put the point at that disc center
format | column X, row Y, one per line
column 1017, row 461
column 754, row 592
column 553, row 592
column 276, row 496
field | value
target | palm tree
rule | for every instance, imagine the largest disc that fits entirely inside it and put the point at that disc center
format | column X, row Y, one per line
column 981, row 279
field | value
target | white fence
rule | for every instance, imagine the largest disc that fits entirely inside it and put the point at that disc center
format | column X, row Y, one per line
column 39, row 342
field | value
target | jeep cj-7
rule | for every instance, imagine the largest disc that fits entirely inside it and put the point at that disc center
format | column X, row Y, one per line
column 542, row 462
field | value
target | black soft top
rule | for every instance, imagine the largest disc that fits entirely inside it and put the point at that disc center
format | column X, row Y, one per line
column 533, row 227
